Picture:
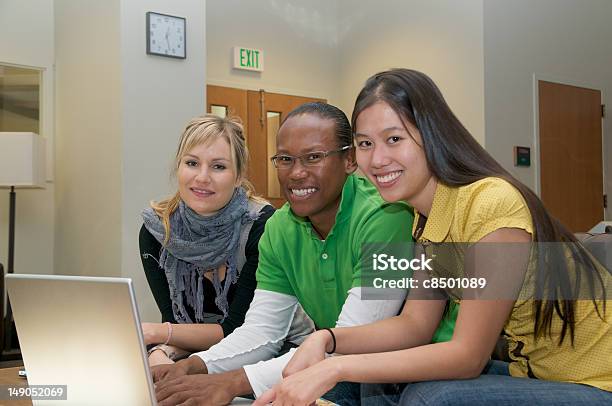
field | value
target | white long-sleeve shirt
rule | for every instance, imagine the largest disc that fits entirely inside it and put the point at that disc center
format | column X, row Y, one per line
column 274, row 318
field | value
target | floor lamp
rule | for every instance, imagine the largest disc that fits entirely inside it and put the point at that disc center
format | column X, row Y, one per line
column 22, row 165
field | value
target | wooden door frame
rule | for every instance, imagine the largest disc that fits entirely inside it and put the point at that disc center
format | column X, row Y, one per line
column 258, row 169
column 266, row 88
column 536, row 125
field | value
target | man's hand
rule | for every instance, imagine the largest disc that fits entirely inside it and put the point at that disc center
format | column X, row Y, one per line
column 188, row 366
column 203, row 389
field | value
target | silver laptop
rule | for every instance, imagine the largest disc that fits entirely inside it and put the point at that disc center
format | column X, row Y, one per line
column 84, row 333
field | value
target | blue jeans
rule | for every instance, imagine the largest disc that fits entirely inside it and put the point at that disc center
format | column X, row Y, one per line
column 497, row 387
column 493, row 387
column 373, row 394
column 350, row 394
column 503, row 391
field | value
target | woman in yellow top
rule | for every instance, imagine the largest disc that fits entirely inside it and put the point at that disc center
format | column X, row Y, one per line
column 413, row 148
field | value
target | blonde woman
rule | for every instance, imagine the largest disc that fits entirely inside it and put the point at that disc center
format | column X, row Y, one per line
column 199, row 248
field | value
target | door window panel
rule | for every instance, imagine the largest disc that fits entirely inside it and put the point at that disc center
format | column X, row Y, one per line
column 220, row 111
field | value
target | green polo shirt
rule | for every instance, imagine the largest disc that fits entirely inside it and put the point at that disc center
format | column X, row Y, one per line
column 294, row 261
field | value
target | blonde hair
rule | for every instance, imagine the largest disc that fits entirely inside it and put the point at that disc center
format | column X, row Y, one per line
column 204, row 130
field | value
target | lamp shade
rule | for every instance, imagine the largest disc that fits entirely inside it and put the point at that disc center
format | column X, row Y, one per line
column 22, row 159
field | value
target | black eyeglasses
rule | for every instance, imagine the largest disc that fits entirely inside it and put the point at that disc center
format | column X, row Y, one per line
column 315, row 158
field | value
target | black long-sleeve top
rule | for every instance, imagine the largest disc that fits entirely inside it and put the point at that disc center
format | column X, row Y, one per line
column 239, row 295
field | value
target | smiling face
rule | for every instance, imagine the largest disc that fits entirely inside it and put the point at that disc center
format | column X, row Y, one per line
column 312, row 192
column 207, row 177
column 392, row 158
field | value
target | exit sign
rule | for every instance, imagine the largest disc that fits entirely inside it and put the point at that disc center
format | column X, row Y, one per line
column 248, row 59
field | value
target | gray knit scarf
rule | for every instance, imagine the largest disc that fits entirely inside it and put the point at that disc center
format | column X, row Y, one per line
column 200, row 244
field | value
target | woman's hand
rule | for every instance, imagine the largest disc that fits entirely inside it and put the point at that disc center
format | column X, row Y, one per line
column 304, row 387
column 154, row 333
column 159, row 357
column 309, row 353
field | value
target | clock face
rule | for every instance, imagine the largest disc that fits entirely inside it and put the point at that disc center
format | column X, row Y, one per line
column 166, row 35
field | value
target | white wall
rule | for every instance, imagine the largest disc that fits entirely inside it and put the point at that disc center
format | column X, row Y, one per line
column 566, row 39
column 329, row 48
column 299, row 40
column 442, row 38
column 88, row 83
column 159, row 96
column 119, row 115
column 32, row 24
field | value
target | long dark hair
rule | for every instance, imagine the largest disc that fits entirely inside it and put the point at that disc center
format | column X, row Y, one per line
column 455, row 158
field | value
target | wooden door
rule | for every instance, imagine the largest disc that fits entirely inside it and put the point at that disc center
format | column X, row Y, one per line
column 266, row 112
column 227, row 101
column 571, row 162
column 261, row 114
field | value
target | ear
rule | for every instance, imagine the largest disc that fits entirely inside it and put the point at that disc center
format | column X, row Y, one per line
column 350, row 163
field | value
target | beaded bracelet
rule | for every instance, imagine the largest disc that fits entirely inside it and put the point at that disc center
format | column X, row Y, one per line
column 169, row 332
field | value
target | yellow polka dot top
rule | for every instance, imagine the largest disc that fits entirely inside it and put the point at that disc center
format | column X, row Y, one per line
column 469, row 213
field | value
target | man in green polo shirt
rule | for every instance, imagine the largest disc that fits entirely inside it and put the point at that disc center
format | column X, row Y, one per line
column 309, row 255
column 319, row 267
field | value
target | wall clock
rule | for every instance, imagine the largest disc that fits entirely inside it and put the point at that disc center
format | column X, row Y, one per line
column 166, row 35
